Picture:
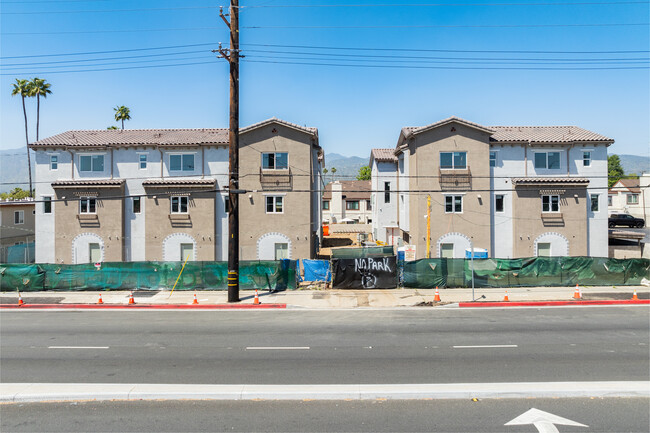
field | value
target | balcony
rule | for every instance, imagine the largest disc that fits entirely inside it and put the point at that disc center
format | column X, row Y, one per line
column 455, row 180
column 276, row 180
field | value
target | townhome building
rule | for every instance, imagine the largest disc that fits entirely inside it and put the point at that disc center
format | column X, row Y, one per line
column 17, row 231
column 631, row 196
column 155, row 195
column 383, row 178
column 513, row 191
column 347, row 201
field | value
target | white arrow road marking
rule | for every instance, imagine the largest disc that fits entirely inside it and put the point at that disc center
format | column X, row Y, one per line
column 77, row 347
column 278, row 348
column 489, row 346
column 543, row 421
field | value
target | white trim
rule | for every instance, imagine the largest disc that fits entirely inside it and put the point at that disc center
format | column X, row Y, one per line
column 169, row 161
column 551, row 252
column 183, row 237
column 91, row 154
column 266, row 209
column 550, row 203
column 94, row 235
column 171, row 209
column 274, row 168
column 266, row 235
column 88, row 198
column 19, row 212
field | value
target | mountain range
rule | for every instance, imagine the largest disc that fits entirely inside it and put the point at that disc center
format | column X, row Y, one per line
column 13, row 167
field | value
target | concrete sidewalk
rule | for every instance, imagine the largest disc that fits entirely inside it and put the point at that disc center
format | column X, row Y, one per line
column 330, row 298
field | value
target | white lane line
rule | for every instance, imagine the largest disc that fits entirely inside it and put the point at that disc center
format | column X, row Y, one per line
column 492, row 346
column 77, row 347
column 278, row 348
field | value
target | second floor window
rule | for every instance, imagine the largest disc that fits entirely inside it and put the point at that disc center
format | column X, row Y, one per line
column 179, row 204
column 368, row 205
column 136, row 204
column 610, row 200
column 274, row 204
column 54, row 162
column 594, row 202
column 550, row 203
column 183, row 162
column 352, row 205
column 47, row 204
column 493, row 159
column 275, row 161
column 498, row 202
column 92, row 163
column 19, row 217
column 449, row 160
column 386, row 192
column 586, row 159
column 633, row 199
column 549, row 160
column 326, row 205
column 143, row 161
column 87, row 205
column 453, row 204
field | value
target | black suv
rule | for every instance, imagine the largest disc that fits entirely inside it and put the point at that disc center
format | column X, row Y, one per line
column 623, row 219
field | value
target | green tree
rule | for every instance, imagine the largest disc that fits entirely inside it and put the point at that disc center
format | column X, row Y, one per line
column 122, row 113
column 364, row 173
column 23, row 88
column 15, row 194
column 325, row 171
column 614, row 170
column 112, row 127
column 333, row 170
column 38, row 88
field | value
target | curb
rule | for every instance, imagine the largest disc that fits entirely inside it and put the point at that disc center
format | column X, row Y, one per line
column 555, row 303
column 147, row 306
column 39, row 392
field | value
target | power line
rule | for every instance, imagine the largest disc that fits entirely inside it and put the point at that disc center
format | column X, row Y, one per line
column 607, row 3
column 110, row 10
column 109, row 52
column 212, row 62
column 103, row 59
column 427, row 26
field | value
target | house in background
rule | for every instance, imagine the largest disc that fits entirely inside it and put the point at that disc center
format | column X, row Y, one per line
column 384, row 168
column 161, row 194
column 514, row 191
column 630, row 196
column 17, row 221
column 347, row 201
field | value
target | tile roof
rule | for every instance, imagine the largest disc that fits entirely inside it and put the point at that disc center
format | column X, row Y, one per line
column 137, row 137
column 88, row 182
column 548, row 180
column 307, row 129
column 351, row 189
column 179, row 182
column 383, row 155
column 633, row 185
column 545, row 134
column 412, row 130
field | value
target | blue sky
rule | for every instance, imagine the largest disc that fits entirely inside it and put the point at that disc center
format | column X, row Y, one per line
column 356, row 100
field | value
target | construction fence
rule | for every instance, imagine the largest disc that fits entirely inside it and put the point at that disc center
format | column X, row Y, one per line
column 263, row 275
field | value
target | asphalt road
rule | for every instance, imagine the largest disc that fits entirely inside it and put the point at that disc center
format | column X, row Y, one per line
column 326, row 347
column 597, row 415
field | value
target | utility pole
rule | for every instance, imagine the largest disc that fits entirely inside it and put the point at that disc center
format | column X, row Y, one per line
column 232, row 56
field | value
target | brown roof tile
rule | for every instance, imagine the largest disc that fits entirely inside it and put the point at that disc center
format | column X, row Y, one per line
column 548, row 180
column 633, row 185
column 545, row 134
column 88, row 182
column 137, row 137
column 351, row 189
column 383, row 155
column 180, row 182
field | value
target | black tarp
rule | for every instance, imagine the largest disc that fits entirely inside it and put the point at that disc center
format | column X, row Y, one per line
column 365, row 273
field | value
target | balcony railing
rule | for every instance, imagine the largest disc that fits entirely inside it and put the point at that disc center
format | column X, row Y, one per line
column 276, row 179
column 455, row 180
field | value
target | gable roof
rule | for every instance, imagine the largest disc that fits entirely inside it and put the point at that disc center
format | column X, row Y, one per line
column 351, row 189
column 383, row 155
column 632, row 185
column 306, row 129
column 453, row 119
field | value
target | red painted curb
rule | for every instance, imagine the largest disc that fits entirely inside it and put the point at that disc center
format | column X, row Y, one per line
column 148, row 306
column 554, row 303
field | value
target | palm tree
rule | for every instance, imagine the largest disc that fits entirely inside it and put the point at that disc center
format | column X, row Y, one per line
column 112, row 127
column 39, row 88
column 122, row 113
column 23, row 88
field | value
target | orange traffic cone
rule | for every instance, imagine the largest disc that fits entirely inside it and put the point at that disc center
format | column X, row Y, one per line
column 634, row 296
column 257, row 299
column 100, row 299
column 20, row 299
column 436, row 297
column 505, row 298
column 195, row 301
column 131, row 300
column 576, row 293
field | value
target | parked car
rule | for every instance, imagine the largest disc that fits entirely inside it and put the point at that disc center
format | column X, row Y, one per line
column 623, row 219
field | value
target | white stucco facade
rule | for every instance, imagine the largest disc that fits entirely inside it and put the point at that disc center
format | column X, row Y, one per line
column 384, row 214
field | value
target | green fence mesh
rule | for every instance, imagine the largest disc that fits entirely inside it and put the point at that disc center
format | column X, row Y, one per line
column 528, row 272
column 358, row 253
column 263, row 275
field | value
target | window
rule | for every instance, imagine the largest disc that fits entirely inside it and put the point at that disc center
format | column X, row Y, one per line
column 275, row 161
column 54, row 162
column 87, row 205
column 453, row 204
column 543, row 249
column 352, row 204
column 179, row 204
column 498, row 203
column 493, row 159
column 274, row 204
column 326, row 204
column 549, row 160
column 226, row 204
column 94, row 253
column 281, row 251
column 47, row 204
column 550, row 203
column 19, row 217
column 450, row 160
column 586, row 159
column 368, row 205
column 136, row 204
column 447, row 251
column 187, row 252
column 183, row 162
column 386, row 192
column 91, row 163
column 633, row 199
column 143, row 161
column 594, row 202
column 609, row 200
